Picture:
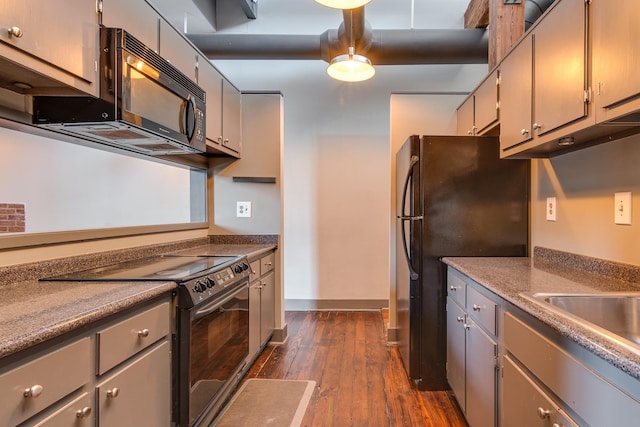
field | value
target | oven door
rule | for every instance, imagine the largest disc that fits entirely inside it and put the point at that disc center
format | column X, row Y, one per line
column 218, row 349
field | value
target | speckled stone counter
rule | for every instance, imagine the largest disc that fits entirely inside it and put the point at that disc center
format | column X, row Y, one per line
column 251, row 251
column 510, row 277
column 32, row 312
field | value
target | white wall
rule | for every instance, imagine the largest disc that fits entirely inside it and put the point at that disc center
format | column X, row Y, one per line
column 337, row 170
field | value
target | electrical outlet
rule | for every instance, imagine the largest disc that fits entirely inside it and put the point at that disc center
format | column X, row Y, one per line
column 551, row 208
column 243, row 209
column 622, row 208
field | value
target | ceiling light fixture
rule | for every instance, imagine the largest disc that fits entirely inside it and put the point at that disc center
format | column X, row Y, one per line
column 351, row 67
column 343, row 4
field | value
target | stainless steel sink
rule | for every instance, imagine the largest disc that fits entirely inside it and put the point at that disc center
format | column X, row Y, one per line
column 615, row 316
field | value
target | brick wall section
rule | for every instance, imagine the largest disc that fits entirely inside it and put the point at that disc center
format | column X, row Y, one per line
column 12, row 218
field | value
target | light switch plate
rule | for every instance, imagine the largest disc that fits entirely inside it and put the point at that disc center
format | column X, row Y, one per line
column 243, row 209
column 551, row 208
column 622, row 208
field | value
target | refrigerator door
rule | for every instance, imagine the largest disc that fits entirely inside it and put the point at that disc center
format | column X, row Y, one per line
column 408, row 252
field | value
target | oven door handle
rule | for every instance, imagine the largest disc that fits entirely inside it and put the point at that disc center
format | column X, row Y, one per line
column 213, row 306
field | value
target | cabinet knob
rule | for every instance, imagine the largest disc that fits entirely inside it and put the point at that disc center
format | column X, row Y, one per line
column 543, row 413
column 469, row 132
column 524, row 132
column 476, row 307
column 460, row 319
column 143, row 333
column 15, row 32
column 537, row 126
column 83, row 413
column 33, row 391
column 220, row 140
column 467, row 326
column 113, row 393
column 453, row 288
column 268, row 263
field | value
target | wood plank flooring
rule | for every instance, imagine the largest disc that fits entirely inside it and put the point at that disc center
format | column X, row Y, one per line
column 360, row 380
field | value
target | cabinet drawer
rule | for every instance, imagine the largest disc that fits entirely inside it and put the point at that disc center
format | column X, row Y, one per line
column 52, row 377
column 582, row 389
column 122, row 340
column 267, row 263
column 523, row 401
column 481, row 309
column 139, row 394
column 456, row 288
column 255, row 270
column 78, row 413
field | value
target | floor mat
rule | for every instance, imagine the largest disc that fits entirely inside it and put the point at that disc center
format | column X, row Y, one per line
column 267, row 402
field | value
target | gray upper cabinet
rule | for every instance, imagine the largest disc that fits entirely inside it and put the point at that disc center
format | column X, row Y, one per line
column 616, row 58
column 516, row 86
column 479, row 112
column 136, row 17
column 231, row 116
column 52, row 41
column 175, row 49
column 544, row 83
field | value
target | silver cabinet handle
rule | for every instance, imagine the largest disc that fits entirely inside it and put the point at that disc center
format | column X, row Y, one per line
column 469, row 132
column 33, row 391
column 524, row 132
column 543, row 413
column 460, row 319
column 15, row 32
column 453, row 288
column 467, row 326
column 537, row 126
column 476, row 307
column 143, row 333
column 83, row 413
column 220, row 139
column 113, row 393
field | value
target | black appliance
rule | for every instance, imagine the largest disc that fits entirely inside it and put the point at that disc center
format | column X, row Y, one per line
column 455, row 197
column 146, row 105
column 211, row 344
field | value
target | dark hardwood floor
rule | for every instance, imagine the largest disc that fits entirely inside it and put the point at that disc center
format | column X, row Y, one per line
column 360, row 380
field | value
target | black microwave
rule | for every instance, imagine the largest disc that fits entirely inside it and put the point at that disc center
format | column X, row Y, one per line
column 146, row 105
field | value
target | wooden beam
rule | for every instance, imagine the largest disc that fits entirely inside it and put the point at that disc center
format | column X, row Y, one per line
column 477, row 14
column 506, row 26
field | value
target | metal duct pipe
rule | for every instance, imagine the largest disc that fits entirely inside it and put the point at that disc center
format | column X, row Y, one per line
column 385, row 47
column 533, row 9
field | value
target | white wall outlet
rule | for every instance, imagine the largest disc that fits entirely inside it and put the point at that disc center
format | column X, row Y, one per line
column 622, row 208
column 243, row 209
column 551, row 208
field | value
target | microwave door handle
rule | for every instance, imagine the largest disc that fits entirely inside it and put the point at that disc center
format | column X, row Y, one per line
column 188, row 112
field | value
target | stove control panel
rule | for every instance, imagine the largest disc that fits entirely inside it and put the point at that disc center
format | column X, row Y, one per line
column 214, row 282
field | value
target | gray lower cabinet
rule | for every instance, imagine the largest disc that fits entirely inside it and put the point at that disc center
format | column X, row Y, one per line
column 472, row 350
column 261, row 304
column 538, row 365
column 115, row 374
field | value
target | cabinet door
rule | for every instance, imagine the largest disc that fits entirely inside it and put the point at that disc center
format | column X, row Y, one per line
column 464, row 118
column 65, row 35
column 231, row 124
column 559, row 66
column 77, row 413
column 175, row 49
column 210, row 80
column 135, row 16
column 456, row 351
column 140, row 393
column 254, row 320
column 486, row 103
column 516, row 95
column 481, row 377
column 525, row 404
column 616, row 51
column 267, row 306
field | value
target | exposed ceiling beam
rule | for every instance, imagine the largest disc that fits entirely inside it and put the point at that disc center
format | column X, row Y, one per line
column 477, row 14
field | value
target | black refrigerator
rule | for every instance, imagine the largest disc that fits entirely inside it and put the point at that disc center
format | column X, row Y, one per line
column 455, row 197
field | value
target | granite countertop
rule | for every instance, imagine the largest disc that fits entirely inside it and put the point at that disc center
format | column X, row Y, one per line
column 35, row 311
column 510, row 277
column 32, row 311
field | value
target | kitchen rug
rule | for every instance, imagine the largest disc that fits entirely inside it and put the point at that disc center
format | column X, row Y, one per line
column 267, row 402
